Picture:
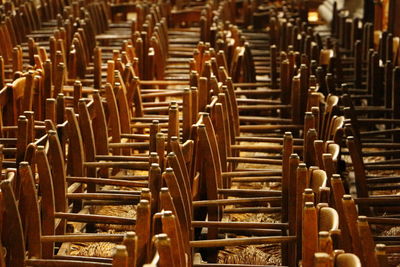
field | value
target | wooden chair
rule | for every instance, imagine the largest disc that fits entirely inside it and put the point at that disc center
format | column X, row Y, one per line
column 284, row 209
column 81, row 153
column 75, row 187
column 319, row 228
column 26, row 216
column 199, row 193
column 169, row 226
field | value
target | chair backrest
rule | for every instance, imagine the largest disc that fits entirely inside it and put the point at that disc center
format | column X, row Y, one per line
column 47, row 198
column 76, row 155
column 330, row 159
column 237, row 63
column 6, row 46
column 335, row 130
column 22, row 92
column 328, row 219
column 208, row 166
column 330, row 109
column 13, row 239
column 99, row 122
column 170, row 227
column 57, row 165
column 318, row 179
column 114, row 116
column 347, row 260
column 143, row 230
column 172, row 199
column 350, row 215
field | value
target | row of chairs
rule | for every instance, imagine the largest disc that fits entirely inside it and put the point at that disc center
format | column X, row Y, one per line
column 199, row 173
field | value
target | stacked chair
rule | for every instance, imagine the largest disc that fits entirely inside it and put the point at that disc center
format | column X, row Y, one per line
column 181, row 133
